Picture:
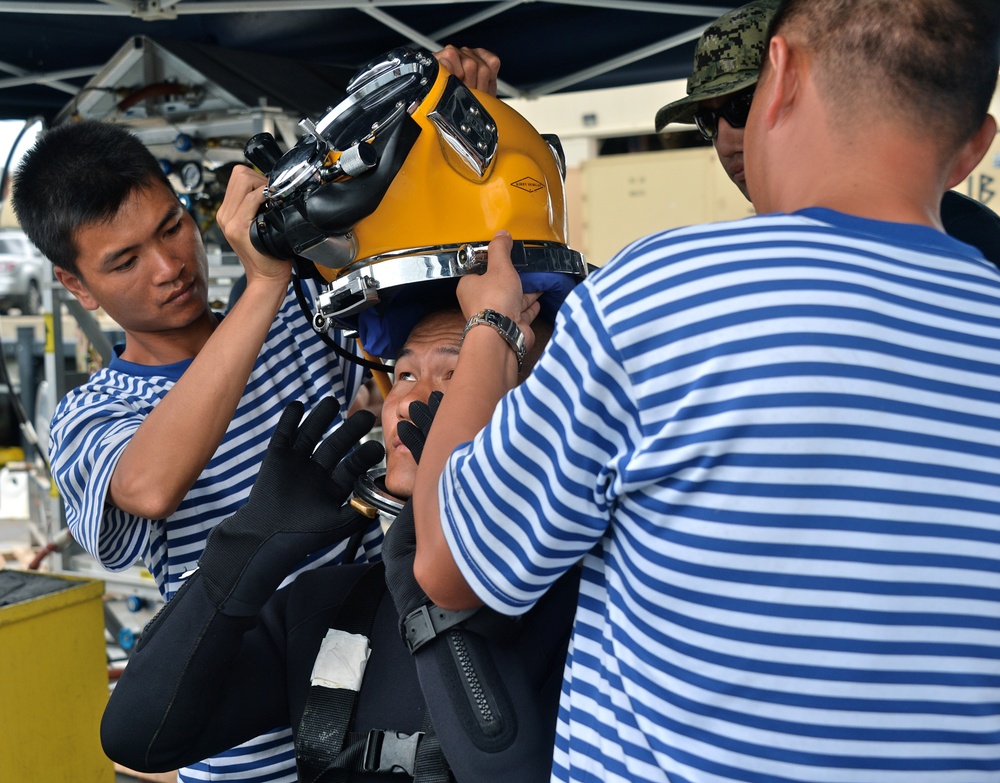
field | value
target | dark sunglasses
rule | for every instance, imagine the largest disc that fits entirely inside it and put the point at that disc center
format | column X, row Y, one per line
column 734, row 111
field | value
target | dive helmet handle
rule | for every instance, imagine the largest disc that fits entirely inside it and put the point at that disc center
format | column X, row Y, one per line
column 262, row 151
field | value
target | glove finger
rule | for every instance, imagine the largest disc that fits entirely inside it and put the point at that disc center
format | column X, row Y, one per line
column 421, row 416
column 412, row 437
column 423, row 413
column 358, row 462
column 343, row 439
column 316, row 423
column 433, row 403
column 284, row 431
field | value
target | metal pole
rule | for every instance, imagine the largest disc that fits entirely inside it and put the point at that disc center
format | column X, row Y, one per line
column 26, row 377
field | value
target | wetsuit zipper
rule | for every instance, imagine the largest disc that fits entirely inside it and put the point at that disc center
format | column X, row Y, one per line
column 473, row 684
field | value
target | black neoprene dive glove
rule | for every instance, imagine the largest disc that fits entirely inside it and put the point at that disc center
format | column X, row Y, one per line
column 414, row 435
column 295, row 508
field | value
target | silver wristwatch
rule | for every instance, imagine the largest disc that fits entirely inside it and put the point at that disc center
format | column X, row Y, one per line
column 505, row 327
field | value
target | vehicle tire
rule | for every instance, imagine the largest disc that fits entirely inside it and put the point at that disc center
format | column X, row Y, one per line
column 33, row 300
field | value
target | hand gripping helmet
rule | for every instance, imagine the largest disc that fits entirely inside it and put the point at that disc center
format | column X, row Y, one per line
column 406, row 181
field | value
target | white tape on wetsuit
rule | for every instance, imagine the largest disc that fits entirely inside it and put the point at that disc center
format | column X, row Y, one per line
column 341, row 660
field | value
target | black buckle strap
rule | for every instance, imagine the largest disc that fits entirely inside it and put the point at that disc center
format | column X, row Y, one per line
column 327, row 712
column 425, row 622
column 391, row 751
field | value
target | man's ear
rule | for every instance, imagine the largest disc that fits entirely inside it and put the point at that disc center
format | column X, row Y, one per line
column 783, row 80
column 972, row 151
column 75, row 286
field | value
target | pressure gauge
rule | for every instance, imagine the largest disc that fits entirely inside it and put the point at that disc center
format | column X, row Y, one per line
column 191, row 175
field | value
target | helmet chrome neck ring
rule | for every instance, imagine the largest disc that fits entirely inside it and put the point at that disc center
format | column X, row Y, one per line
column 370, row 491
column 360, row 287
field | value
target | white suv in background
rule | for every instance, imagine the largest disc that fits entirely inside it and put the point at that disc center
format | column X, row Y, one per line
column 21, row 268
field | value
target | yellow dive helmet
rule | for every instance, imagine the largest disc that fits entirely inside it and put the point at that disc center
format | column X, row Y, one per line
column 406, row 181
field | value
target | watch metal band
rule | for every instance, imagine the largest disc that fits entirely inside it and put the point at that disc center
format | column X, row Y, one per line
column 505, row 327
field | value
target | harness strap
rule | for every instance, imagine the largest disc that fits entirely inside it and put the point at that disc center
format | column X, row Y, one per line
column 328, row 711
column 430, row 765
column 379, row 750
column 427, row 621
column 326, row 752
column 419, row 755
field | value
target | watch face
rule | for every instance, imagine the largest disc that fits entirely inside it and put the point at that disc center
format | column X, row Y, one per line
column 191, row 175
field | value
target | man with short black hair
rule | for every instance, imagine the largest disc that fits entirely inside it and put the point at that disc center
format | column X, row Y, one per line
column 154, row 450
column 775, row 442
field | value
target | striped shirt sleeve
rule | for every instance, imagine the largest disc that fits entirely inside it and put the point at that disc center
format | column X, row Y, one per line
column 573, row 415
column 89, row 432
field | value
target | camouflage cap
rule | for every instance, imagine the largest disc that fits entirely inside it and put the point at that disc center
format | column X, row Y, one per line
column 727, row 58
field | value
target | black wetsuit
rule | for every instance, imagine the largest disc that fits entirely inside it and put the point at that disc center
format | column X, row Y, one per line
column 200, row 681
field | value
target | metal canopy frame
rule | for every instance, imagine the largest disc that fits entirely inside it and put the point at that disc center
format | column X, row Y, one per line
column 683, row 22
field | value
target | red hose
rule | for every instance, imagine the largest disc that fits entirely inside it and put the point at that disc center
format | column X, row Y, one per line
column 60, row 542
column 44, row 552
column 151, row 91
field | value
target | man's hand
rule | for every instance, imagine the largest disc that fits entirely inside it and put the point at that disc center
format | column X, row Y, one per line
column 295, row 508
column 243, row 199
column 499, row 288
column 477, row 68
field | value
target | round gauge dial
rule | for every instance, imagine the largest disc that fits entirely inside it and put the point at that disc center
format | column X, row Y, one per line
column 191, row 175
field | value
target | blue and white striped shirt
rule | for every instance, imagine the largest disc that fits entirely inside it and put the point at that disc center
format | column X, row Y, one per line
column 775, row 444
column 92, row 426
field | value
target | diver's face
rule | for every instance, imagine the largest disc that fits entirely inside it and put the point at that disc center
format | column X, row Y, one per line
column 425, row 364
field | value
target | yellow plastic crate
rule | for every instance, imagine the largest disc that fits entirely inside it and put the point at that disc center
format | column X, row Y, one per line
column 53, row 679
